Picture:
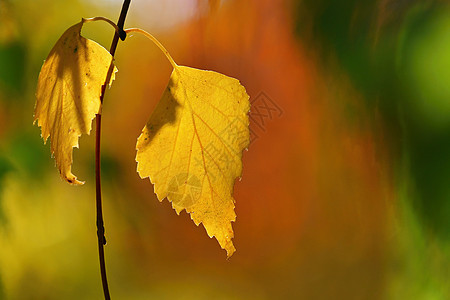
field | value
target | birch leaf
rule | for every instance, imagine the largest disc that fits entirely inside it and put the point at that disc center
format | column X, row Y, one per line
column 191, row 148
column 68, row 94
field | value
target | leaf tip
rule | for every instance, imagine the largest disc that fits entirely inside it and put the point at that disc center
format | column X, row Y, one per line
column 230, row 251
column 71, row 179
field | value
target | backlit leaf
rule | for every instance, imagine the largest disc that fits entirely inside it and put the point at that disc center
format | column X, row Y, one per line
column 68, row 94
column 191, row 148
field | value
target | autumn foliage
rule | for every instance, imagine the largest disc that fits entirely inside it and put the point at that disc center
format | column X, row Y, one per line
column 191, row 148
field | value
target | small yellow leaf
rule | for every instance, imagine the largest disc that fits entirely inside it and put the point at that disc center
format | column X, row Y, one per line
column 191, row 148
column 68, row 94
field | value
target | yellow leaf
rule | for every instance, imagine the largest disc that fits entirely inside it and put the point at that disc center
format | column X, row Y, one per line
column 191, row 148
column 68, row 94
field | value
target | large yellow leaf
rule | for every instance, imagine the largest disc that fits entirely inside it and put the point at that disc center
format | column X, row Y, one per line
column 191, row 148
column 68, row 94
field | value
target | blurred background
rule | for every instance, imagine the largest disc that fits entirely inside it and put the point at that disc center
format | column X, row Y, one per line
column 345, row 191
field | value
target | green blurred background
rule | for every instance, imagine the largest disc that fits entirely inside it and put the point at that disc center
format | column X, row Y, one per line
column 345, row 191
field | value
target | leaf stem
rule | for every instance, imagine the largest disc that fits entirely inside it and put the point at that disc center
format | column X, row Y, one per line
column 156, row 42
column 98, row 192
column 87, row 20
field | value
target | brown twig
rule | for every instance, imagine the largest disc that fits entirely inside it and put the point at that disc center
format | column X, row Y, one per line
column 100, row 228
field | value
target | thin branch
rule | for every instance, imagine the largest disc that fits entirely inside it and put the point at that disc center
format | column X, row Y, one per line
column 100, row 228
